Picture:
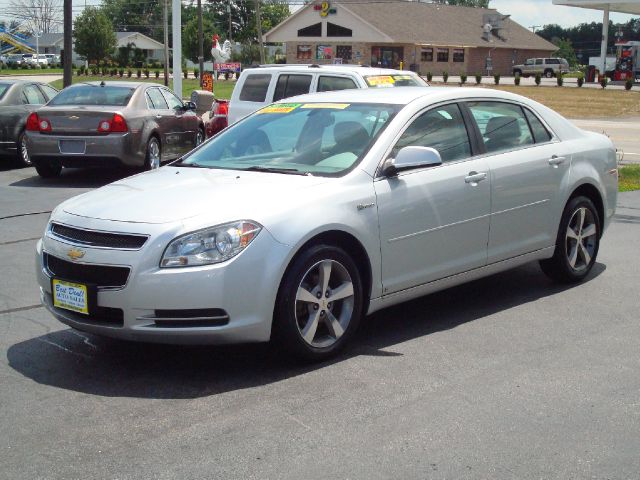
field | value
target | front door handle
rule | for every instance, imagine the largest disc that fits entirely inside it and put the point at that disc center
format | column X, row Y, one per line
column 474, row 177
column 556, row 160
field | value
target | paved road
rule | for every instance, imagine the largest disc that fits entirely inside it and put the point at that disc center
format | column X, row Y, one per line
column 508, row 377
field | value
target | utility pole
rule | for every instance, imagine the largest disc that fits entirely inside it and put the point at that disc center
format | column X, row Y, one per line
column 229, row 13
column 165, row 23
column 176, row 33
column 259, row 26
column 200, row 40
column 534, row 27
column 68, row 43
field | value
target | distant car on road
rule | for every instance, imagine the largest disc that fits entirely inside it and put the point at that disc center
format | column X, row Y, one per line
column 300, row 219
column 106, row 124
column 52, row 58
column 18, row 99
column 547, row 67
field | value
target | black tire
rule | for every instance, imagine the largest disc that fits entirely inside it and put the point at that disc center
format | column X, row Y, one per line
column 292, row 315
column 22, row 155
column 559, row 267
column 549, row 73
column 48, row 168
column 150, row 160
column 203, row 136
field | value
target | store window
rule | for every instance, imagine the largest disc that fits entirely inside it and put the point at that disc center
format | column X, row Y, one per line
column 386, row 57
column 324, row 52
column 458, row 55
column 443, row 54
column 314, row 30
column 426, row 55
column 334, row 30
column 304, row 52
column 344, row 52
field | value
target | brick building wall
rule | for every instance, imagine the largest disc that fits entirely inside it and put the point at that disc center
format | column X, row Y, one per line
column 503, row 59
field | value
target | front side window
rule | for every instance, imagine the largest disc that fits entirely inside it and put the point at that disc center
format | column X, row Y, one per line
column 172, row 100
column 326, row 139
column 441, row 128
column 255, row 88
column 291, row 85
column 328, row 83
column 503, row 125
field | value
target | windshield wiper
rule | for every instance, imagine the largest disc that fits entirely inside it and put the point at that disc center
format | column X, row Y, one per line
column 182, row 163
column 288, row 171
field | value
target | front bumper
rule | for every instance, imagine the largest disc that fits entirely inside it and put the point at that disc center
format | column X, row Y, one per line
column 101, row 150
column 243, row 288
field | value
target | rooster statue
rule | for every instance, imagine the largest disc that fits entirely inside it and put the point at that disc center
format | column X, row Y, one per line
column 220, row 55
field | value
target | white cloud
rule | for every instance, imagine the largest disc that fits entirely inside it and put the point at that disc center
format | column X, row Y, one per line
column 543, row 12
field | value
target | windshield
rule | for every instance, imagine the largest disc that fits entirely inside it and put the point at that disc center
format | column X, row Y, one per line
column 3, row 88
column 396, row 80
column 326, row 139
column 94, row 95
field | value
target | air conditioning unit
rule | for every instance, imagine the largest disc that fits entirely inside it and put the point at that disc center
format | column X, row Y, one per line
column 493, row 25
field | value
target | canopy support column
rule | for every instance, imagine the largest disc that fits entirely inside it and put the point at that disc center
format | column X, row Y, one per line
column 605, row 39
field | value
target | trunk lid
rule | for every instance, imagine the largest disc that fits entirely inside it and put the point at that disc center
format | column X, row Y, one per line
column 79, row 120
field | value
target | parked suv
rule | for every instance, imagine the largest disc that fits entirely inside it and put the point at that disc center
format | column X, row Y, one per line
column 263, row 85
column 548, row 67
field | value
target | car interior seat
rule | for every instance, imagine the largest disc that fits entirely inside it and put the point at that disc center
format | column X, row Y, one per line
column 502, row 133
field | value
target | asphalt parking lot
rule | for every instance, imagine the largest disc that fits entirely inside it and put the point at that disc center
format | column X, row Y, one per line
column 507, row 377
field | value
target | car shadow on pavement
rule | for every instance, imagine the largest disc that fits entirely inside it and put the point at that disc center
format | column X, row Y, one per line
column 77, row 178
column 99, row 366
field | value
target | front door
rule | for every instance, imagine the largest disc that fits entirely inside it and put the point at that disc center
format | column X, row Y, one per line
column 434, row 222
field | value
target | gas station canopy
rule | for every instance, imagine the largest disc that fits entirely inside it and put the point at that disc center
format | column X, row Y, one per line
column 620, row 6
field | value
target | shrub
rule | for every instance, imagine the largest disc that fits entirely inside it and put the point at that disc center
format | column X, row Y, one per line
column 604, row 81
column 445, row 76
column 81, row 70
column 580, row 80
column 105, row 71
column 516, row 80
column 478, row 79
column 429, row 76
column 157, row 73
column 628, row 84
column 146, row 73
column 463, row 78
column 496, row 79
column 538, row 79
column 559, row 80
column 226, row 75
column 121, row 72
column 185, row 73
column 138, row 73
column 196, row 72
column 129, row 73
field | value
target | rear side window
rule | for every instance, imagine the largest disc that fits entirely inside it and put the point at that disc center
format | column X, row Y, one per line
column 156, row 99
column 540, row 134
column 291, row 85
column 3, row 88
column 539, row 61
column 94, row 95
column 254, row 88
column 33, row 95
column 553, row 61
column 503, row 125
column 50, row 92
column 326, row 83
column 441, row 128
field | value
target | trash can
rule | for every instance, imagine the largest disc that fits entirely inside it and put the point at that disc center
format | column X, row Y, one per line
column 203, row 100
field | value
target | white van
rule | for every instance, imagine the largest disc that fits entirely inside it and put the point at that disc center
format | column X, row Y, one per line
column 265, row 84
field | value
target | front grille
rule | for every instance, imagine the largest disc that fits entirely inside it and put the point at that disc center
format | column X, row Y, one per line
column 98, row 239
column 99, row 275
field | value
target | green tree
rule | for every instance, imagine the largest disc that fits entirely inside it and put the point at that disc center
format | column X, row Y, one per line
column 94, row 36
column 136, row 16
column 190, row 38
column 566, row 51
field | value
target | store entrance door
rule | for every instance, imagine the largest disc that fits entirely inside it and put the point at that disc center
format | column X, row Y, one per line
column 386, row 57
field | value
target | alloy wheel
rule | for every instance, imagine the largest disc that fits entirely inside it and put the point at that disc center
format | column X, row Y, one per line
column 324, row 303
column 24, row 153
column 581, row 239
column 199, row 137
column 154, row 154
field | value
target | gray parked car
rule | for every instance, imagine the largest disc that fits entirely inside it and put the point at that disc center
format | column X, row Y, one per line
column 108, row 124
column 548, row 67
column 18, row 99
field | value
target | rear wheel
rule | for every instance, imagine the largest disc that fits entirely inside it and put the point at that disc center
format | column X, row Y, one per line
column 48, row 168
column 577, row 242
column 152, row 159
column 548, row 73
column 319, row 304
column 22, row 154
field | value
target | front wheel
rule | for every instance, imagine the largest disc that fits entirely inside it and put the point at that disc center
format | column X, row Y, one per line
column 577, row 242
column 152, row 158
column 199, row 136
column 48, row 168
column 319, row 303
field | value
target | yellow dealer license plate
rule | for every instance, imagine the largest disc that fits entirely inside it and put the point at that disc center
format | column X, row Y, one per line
column 70, row 296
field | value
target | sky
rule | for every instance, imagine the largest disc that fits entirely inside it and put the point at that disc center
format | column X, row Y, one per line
column 543, row 12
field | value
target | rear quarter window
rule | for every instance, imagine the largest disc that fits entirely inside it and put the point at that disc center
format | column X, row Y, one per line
column 254, row 88
column 328, row 83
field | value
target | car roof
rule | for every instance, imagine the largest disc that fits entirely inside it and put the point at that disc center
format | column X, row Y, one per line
column 363, row 70
column 404, row 95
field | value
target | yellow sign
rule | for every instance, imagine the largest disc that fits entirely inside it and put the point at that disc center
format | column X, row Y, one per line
column 70, row 296
column 280, row 108
column 380, row 80
column 334, row 106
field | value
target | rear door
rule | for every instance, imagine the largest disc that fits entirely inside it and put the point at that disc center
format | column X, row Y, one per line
column 165, row 119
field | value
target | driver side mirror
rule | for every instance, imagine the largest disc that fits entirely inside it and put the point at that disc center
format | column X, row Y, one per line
column 190, row 106
column 411, row 158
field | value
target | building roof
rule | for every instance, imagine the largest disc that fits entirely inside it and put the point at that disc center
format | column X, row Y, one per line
column 415, row 22
column 148, row 43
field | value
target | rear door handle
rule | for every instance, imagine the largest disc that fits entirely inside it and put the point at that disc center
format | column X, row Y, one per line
column 474, row 177
column 556, row 160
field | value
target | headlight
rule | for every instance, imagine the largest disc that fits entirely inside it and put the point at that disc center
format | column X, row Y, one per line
column 211, row 245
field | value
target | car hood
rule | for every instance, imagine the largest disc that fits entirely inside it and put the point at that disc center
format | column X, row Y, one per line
column 172, row 194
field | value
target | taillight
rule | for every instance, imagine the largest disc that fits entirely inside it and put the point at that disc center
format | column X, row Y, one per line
column 117, row 124
column 37, row 124
column 220, row 109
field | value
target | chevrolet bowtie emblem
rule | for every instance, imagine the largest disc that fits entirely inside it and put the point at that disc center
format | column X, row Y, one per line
column 75, row 253
column 74, row 117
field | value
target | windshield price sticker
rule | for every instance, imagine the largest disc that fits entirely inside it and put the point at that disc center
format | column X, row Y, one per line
column 280, row 108
column 334, row 106
column 402, row 77
column 380, row 80
column 70, row 296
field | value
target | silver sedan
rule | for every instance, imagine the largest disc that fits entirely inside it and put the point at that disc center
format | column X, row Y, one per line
column 304, row 217
column 108, row 124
